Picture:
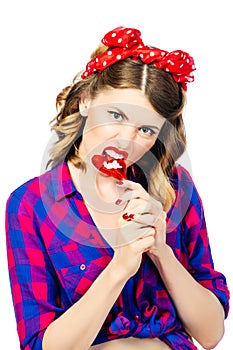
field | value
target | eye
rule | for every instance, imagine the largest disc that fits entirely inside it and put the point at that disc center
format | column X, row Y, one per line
column 147, row 131
column 115, row 115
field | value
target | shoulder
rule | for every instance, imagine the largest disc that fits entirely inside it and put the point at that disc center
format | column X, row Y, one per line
column 180, row 174
column 188, row 204
column 183, row 183
column 30, row 190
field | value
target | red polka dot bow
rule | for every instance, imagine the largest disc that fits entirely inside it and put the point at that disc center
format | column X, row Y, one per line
column 126, row 42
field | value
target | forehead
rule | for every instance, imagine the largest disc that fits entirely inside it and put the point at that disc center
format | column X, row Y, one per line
column 132, row 102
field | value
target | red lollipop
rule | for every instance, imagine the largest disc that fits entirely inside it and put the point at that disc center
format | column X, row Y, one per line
column 111, row 162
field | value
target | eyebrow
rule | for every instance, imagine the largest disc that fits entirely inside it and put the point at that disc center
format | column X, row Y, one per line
column 125, row 116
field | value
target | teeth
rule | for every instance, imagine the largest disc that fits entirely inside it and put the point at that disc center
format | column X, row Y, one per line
column 113, row 154
column 112, row 165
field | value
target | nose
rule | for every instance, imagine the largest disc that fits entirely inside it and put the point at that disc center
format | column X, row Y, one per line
column 126, row 134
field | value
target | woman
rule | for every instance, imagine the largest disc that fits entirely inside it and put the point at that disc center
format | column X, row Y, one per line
column 108, row 249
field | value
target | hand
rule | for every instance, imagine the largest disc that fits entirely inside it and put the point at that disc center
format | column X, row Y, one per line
column 134, row 199
column 145, row 213
column 127, row 258
column 146, row 232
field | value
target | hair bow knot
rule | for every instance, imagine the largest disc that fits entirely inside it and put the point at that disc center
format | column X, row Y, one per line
column 122, row 37
column 126, row 42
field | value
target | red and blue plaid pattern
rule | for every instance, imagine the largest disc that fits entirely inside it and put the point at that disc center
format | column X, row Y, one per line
column 55, row 252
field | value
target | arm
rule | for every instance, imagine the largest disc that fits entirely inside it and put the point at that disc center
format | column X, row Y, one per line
column 42, row 321
column 197, row 290
column 191, row 290
column 87, row 315
column 33, row 281
column 198, row 308
column 36, row 293
column 79, row 325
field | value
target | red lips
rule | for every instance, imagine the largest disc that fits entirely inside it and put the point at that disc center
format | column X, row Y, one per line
column 118, row 170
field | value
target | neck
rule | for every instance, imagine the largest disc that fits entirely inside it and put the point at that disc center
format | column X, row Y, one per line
column 93, row 182
column 106, row 187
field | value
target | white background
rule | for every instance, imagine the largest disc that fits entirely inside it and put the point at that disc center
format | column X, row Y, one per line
column 45, row 43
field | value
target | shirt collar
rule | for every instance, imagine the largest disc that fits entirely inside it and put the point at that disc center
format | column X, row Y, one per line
column 61, row 181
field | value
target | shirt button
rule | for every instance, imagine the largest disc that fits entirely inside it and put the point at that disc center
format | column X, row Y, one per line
column 82, row 267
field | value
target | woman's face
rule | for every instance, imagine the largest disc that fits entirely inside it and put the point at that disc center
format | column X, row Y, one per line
column 122, row 120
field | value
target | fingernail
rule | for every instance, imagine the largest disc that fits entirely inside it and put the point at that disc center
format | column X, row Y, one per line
column 118, row 202
column 119, row 182
column 128, row 217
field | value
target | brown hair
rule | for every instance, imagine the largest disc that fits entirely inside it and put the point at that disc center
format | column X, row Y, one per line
column 165, row 95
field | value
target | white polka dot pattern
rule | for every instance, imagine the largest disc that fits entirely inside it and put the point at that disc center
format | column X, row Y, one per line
column 126, row 42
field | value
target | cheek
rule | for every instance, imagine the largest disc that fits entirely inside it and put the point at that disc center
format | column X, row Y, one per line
column 99, row 129
column 147, row 144
column 106, row 130
column 95, row 136
column 141, row 148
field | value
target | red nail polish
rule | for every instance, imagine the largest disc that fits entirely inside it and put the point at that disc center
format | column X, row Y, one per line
column 118, row 202
column 128, row 217
column 119, row 182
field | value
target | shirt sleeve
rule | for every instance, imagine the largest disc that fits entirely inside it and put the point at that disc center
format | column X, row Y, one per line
column 34, row 287
column 201, row 264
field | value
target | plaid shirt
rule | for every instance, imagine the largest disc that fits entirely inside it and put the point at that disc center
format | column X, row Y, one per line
column 55, row 252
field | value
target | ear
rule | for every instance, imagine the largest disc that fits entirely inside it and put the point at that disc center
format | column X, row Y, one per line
column 84, row 104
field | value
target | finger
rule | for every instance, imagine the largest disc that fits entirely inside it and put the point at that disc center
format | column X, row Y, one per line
column 161, row 220
column 127, row 193
column 144, row 244
column 129, row 196
column 129, row 185
column 126, row 196
column 130, row 232
column 143, row 214
column 146, row 219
